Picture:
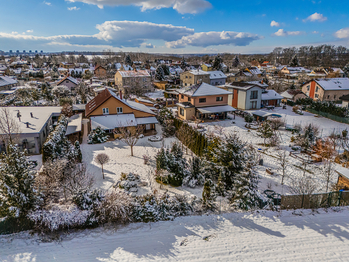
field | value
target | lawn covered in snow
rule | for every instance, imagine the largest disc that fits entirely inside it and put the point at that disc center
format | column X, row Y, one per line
column 322, row 235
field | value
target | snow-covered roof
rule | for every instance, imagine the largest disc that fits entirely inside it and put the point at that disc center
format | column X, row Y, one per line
column 74, row 124
column 134, row 73
column 271, row 95
column 41, row 115
column 255, row 70
column 216, row 109
column 71, row 79
column 5, row 81
column 261, row 113
column 146, row 120
column 79, row 107
column 199, row 72
column 203, row 90
column 258, row 83
column 108, row 122
column 343, row 171
column 216, row 75
column 333, row 83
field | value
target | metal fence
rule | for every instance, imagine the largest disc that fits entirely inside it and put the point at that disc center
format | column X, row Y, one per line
column 330, row 116
column 313, row 201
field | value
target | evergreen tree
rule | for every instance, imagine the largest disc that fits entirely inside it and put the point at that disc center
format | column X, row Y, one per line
column 217, row 63
column 78, row 152
column 220, row 187
column 128, row 60
column 236, row 61
column 159, row 73
column 166, row 70
column 195, row 176
column 346, row 70
column 161, row 161
column 265, row 131
column 17, row 192
column 183, row 63
column 208, row 194
column 294, row 62
column 245, row 192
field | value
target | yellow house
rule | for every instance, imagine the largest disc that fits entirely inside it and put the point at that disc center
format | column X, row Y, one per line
column 206, row 67
column 110, row 112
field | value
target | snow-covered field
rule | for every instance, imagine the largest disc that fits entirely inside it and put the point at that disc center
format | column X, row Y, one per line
column 265, row 236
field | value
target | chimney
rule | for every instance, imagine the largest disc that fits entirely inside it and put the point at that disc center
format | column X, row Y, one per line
column 31, row 115
column 262, row 82
column 120, row 92
column 199, row 81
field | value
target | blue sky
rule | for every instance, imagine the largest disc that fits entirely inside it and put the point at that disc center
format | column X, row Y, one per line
column 171, row 26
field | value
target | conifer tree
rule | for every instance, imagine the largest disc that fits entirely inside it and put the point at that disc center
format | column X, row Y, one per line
column 159, row 73
column 265, row 131
column 208, row 194
column 236, row 61
column 78, row 152
column 346, row 70
column 128, row 60
column 17, row 191
column 294, row 61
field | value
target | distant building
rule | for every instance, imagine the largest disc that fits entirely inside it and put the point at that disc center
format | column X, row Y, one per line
column 327, row 89
column 6, row 83
column 132, row 78
column 69, row 82
column 192, row 77
column 206, row 67
column 100, row 72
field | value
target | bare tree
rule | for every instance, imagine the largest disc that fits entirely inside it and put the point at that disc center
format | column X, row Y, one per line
column 62, row 179
column 102, row 159
column 328, row 173
column 304, row 185
column 184, row 136
column 283, row 163
column 9, row 126
column 130, row 135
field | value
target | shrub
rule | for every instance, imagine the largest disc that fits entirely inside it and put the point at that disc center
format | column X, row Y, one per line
column 97, row 136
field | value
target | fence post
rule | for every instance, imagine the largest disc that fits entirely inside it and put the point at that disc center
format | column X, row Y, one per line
column 339, row 198
column 302, row 201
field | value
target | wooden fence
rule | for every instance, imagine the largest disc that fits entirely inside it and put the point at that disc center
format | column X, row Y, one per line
column 320, row 200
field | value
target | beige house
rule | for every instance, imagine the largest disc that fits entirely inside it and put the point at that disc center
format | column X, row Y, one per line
column 203, row 101
column 192, row 77
column 327, row 89
column 132, row 78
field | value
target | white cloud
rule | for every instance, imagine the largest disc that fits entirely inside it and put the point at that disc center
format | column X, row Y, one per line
column 274, row 23
column 205, row 39
column 73, row 8
column 30, row 31
column 315, row 17
column 47, row 3
column 342, row 33
column 181, row 6
column 282, row 32
column 315, row 32
column 149, row 45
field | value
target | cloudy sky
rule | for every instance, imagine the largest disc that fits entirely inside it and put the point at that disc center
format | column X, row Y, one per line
column 171, row 26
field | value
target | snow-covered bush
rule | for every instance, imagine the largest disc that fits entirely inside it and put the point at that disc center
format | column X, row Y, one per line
column 248, row 118
column 89, row 200
column 128, row 181
column 60, row 217
column 97, row 136
column 146, row 159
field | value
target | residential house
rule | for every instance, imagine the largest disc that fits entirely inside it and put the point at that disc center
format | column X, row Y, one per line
column 203, row 101
column 133, row 78
column 270, row 98
column 245, row 95
column 217, row 78
column 292, row 95
column 206, row 67
column 293, row 71
column 111, row 112
column 66, row 65
column 345, row 101
column 343, row 178
column 35, row 123
column 100, row 72
column 6, row 83
column 326, row 73
column 328, row 89
column 69, row 82
column 192, row 77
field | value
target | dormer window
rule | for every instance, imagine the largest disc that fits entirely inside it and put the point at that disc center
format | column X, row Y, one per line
column 105, row 111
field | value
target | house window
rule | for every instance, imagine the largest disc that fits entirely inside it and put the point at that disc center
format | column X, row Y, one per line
column 253, row 104
column 328, row 97
column 105, row 111
column 334, row 97
column 316, row 95
column 181, row 111
column 202, row 100
column 308, row 88
column 182, row 96
column 317, row 89
column 189, row 99
column 189, row 77
column 186, row 76
column 254, row 95
column 119, row 110
column 219, row 98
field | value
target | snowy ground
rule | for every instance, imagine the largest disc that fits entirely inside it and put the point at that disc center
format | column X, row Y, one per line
column 269, row 155
column 265, row 236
